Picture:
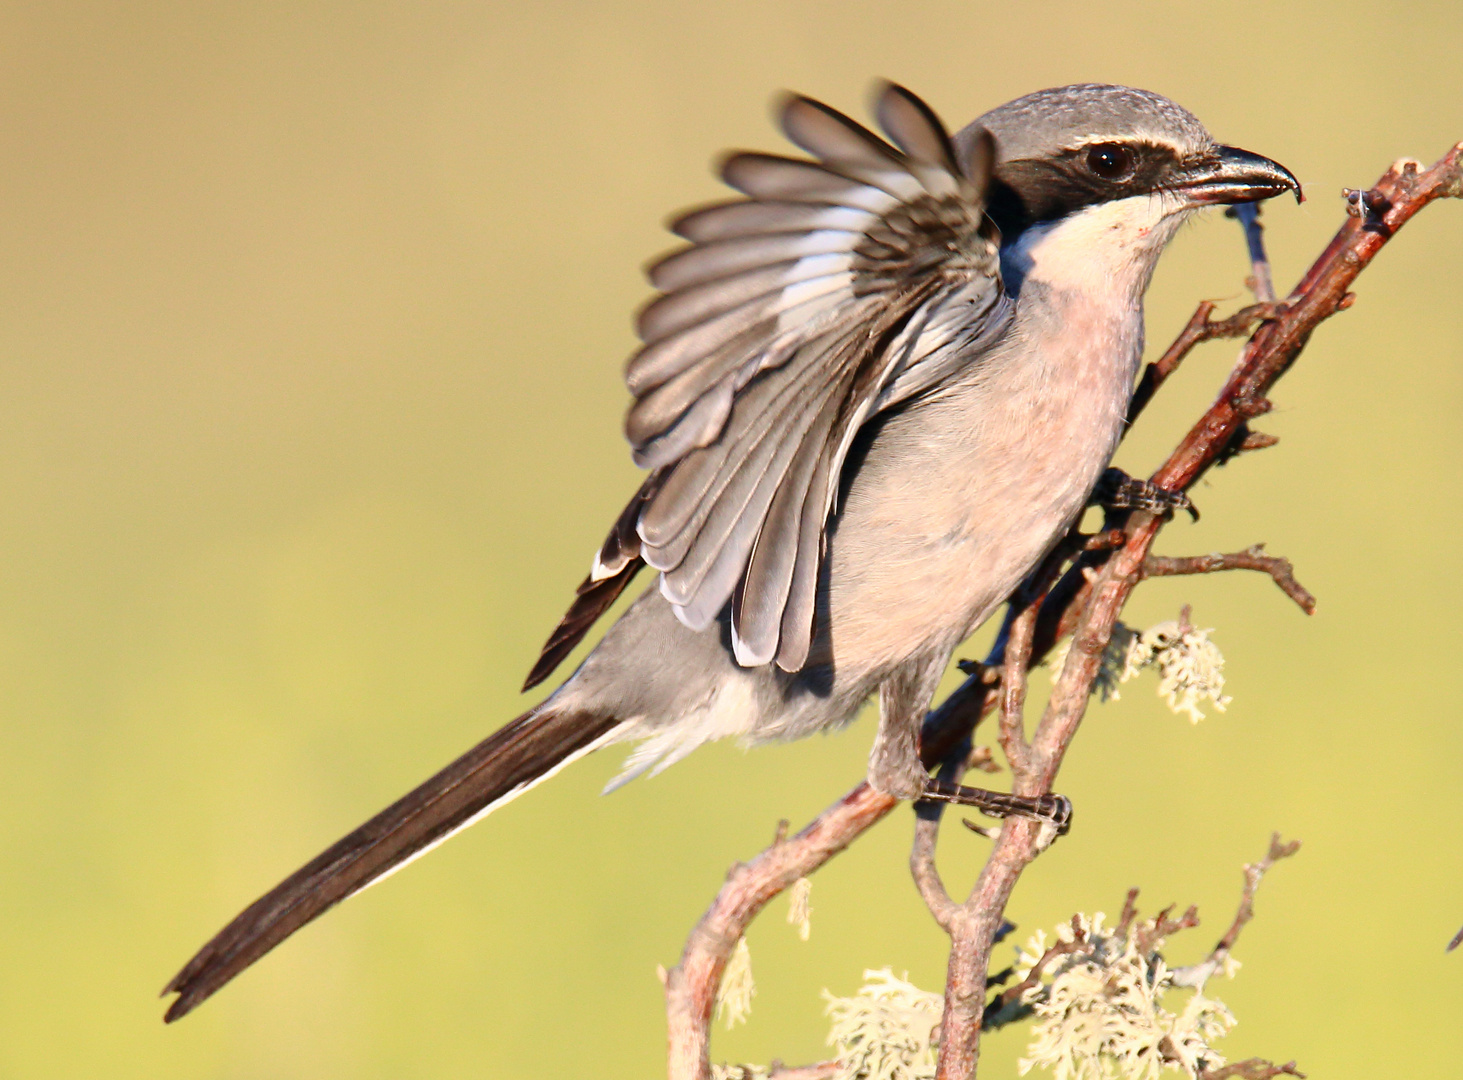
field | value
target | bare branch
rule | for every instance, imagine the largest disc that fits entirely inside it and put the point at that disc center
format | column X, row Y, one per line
column 1198, row 974
column 819, row 1070
column 1252, row 1069
column 1163, row 925
column 1254, row 874
column 1013, row 690
column 1251, row 558
column 926, row 876
column 822, row 1070
column 1200, row 328
column 1008, row 1006
column 690, row 987
column 1129, row 913
column 927, row 832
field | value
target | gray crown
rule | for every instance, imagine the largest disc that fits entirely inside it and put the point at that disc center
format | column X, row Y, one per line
column 1047, row 122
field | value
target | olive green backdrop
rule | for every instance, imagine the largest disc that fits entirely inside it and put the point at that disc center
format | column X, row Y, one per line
column 311, row 324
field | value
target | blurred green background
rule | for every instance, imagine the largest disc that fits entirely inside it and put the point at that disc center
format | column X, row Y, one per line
column 313, row 318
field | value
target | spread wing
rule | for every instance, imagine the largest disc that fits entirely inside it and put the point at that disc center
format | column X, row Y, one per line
column 836, row 288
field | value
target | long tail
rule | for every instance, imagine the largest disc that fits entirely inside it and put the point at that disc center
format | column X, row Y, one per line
column 510, row 761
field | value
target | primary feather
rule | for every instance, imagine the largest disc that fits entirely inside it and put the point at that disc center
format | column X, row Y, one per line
column 838, row 288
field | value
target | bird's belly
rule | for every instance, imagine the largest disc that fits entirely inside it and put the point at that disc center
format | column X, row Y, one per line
column 947, row 516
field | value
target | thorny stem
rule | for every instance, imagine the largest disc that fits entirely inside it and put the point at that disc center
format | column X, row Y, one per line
column 1088, row 599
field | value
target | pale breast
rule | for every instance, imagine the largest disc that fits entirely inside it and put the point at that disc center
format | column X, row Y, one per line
column 962, row 494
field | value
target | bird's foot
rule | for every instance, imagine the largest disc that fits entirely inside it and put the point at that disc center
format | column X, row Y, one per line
column 1116, row 490
column 1055, row 810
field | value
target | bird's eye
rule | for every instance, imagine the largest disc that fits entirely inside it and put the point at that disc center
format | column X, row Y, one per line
column 1111, row 161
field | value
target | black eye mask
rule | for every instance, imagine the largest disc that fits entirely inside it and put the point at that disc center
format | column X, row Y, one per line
column 1028, row 192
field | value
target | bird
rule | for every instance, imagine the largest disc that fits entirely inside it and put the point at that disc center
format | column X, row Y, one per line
column 874, row 389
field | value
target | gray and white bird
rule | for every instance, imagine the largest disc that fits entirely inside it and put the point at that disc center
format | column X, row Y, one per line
column 874, row 392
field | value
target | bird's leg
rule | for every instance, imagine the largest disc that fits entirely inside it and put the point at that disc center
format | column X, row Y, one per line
column 895, row 767
column 1116, row 490
column 1056, row 809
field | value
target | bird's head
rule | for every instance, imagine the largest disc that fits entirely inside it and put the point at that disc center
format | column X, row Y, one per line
column 1112, row 166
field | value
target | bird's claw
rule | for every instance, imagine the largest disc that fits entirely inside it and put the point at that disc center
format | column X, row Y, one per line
column 1051, row 809
column 1116, row 490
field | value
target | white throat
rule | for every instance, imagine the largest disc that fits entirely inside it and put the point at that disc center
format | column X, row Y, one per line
column 1106, row 251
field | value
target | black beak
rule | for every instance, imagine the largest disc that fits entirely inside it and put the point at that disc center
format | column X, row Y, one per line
column 1233, row 175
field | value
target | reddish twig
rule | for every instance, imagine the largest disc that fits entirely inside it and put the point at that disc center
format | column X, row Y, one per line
column 1254, row 874
column 1251, row 558
column 927, row 833
column 1252, row 1069
column 822, row 1070
column 819, row 1070
column 1199, row 329
column 1008, row 1006
column 1151, row 933
column 1019, row 636
column 1129, row 913
column 926, row 876
column 1146, row 938
column 1198, row 974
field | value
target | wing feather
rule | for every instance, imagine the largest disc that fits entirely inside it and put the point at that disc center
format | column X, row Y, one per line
column 662, row 360
column 769, row 437
column 718, row 559
column 702, row 264
column 837, row 288
column 762, row 595
column 768, row 176
column 796, row 625
column 830, row 136
column 728, row 220
column 915, row 129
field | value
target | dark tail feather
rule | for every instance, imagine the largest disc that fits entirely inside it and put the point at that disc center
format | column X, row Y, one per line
column 591, row 600
column 615, row 567
column 507, row 762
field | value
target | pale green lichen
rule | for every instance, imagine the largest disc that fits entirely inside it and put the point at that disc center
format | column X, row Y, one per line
column 1099, row 1010
column 800, row 906
column 734, row 998
column 740, row 1072
column 1190, row 666
column 886, row 1030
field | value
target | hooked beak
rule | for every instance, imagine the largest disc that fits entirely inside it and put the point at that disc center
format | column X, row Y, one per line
column 1237, row 176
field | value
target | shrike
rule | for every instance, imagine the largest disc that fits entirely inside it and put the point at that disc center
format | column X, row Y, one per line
column 874, row 392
